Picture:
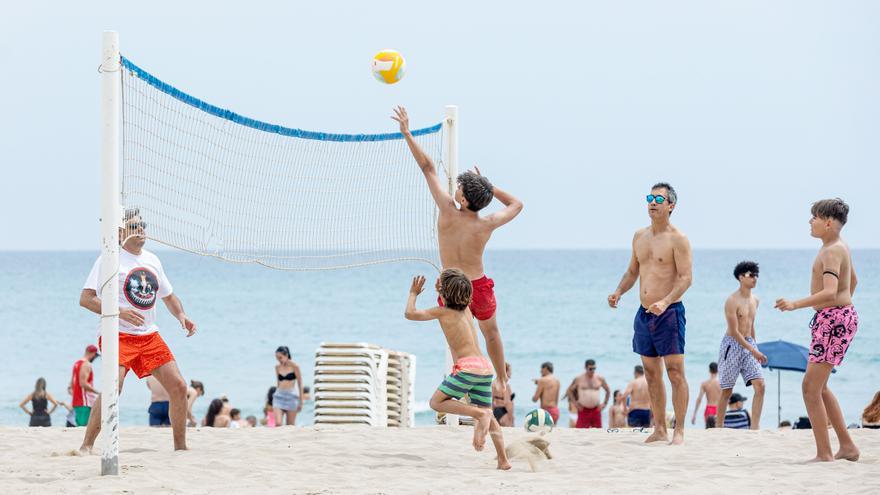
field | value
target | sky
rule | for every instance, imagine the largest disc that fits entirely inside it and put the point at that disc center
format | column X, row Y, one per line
column 751, row 109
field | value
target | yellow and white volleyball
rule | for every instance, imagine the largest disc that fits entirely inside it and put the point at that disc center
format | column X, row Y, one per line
column 389, row 66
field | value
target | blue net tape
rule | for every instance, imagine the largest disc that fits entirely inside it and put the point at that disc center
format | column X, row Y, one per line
column 259, row 125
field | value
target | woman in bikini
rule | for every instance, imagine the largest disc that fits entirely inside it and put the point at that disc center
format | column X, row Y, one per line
column 502, row 401
column 286, row 401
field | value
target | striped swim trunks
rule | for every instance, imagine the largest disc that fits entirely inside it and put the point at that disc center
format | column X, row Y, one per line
column 461, row 383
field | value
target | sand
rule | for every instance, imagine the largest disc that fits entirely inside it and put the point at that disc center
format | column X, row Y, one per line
column 331, row 460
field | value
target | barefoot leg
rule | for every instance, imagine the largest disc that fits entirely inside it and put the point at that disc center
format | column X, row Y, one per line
column 813, row 385
column 93, row 428
column 657, row 392
column 675, row 371
column 848, row 449
column 441, row 402
column 498, row 442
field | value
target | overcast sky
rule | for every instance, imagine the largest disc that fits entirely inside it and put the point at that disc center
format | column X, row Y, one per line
column 752, row 109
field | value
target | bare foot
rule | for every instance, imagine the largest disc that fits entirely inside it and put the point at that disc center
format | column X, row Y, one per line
column 849, row 454
column 504, row 466
column 85, row 450
column 677, row 437
column 481, row 428
column 658, row 436
column 820, row 459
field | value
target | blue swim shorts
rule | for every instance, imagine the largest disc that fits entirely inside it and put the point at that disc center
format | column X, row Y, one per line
column 159, row 414
column 659, row 335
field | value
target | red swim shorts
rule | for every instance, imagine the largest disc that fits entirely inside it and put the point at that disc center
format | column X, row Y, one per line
column 483, row 303
column 589, row 418
column 142, row 353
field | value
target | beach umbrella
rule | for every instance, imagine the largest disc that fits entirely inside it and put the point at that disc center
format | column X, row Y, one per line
column 782, row 355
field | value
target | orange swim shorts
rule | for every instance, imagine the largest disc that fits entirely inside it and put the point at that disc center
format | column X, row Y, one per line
column 142, row 353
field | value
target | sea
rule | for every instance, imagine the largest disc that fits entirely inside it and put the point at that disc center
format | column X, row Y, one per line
column 551, row 307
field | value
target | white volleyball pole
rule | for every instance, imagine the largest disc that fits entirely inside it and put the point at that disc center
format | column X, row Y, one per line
column 111, row 78
column 450, row 130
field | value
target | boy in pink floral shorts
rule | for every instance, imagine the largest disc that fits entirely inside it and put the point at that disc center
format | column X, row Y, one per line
column 833, row 327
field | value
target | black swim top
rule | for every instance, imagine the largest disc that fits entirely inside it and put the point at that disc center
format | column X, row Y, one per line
column 288, row 377
column 40, row 406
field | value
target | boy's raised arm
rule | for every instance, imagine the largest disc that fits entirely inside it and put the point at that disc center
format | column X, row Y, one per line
column 411, row 313
column 438, row 189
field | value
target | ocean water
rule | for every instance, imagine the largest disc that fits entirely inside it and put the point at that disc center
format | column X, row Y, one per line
column 551, row 308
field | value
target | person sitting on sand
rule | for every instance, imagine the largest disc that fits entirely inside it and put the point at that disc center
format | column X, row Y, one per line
column 617, row 412
column 195, row 390
column 39, row 399
column 736, row 416
column 235, row 420
column 472, row 372
column 215, row 417
column 269, row 409
column 871, row 415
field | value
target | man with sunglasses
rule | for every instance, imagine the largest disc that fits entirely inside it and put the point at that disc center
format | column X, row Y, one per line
column 661, row 262
column 584, row 392
column 142, row 282
column 739, row 354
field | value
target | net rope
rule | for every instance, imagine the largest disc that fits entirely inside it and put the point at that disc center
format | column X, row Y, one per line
column 216, row 183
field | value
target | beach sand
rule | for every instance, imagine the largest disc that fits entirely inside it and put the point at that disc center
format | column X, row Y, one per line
column 329, row 460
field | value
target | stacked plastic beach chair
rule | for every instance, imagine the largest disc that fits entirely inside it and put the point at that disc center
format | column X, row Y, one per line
column 360, row 383
column 401, row 388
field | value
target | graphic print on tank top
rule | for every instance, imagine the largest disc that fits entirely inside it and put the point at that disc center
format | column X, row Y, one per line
column 141, row 287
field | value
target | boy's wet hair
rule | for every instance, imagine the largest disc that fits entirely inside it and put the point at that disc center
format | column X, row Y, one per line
column 639, row 369
column 831, row 208
column 456, row 289
column 548, row 365
column 713, row 367
column 745, row 267
column 477, row 190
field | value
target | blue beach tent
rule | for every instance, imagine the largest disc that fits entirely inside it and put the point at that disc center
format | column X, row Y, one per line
column 782, row 355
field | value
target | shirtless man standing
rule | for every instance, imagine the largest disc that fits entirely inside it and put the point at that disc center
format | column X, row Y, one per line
column 548, row 391
column 661, row 262
column 584, row 392
column 739, row 354
column 711, row 389
column 638, row 410
column 833, row 326
column 464, row 233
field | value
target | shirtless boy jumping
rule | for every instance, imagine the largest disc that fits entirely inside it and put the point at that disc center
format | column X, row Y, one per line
column 739, row 354
column 472, row 373
column 464, row 233
column 833, row 326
